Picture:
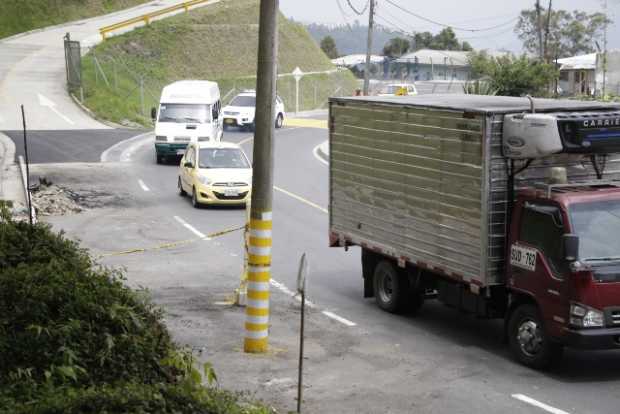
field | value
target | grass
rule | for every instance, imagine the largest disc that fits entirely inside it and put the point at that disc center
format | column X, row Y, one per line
column 217, row 42
column 17, row 16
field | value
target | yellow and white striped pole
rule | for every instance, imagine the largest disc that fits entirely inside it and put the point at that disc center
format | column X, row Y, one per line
column 259, row 274
column 259, row 251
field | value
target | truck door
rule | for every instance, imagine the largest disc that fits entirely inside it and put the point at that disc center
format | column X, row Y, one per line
column 537, row 265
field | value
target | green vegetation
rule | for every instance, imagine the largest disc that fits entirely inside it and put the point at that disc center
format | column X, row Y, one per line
column 509, row 75
column 75, row 339
column 17, row 16
column 217, row 42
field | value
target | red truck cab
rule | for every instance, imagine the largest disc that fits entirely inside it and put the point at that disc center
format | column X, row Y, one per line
column 563, row 276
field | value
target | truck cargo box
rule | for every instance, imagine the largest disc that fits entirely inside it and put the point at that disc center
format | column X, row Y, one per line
column 423, row 178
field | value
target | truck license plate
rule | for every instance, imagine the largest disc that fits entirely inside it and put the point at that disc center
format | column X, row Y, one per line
column 523, row 257
column 181, row 152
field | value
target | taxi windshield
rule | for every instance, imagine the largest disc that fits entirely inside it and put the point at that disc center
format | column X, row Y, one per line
column 597, row 224
column 222, row 158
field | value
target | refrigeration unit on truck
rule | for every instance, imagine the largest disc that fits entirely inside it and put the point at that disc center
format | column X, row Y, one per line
column 501, row 207
column 189, row 111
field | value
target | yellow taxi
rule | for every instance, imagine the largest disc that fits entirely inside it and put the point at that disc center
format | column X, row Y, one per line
column 215, row 173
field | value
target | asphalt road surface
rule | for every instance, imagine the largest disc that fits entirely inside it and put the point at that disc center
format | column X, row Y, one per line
column 68, row 145
column 370, row 361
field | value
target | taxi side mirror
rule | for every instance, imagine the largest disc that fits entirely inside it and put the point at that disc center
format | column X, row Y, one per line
column 153, row 114
column 571, row 247
column 188, row 164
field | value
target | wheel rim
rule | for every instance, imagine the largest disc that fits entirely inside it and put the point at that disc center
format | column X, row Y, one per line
column 530, row 338
column 386, row 290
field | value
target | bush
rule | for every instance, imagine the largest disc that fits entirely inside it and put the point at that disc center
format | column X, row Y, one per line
column 75, row 339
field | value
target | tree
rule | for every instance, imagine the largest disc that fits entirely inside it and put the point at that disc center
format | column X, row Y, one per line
column 510, row 75
column 568, row 34
column 444, row 40
column 396, row 47
column 329, row 47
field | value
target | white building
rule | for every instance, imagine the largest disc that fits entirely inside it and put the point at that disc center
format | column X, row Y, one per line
column 587, row 75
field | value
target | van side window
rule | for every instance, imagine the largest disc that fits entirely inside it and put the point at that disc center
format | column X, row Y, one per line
column 542, row 227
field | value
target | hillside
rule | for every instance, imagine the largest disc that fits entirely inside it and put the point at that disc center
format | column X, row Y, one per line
column 217, row 42
column 17, row 16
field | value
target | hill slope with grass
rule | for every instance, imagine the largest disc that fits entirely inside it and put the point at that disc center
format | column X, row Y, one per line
column 17, row 16
column 123, row 76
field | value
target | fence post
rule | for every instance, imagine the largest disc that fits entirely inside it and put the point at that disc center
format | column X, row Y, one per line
column 142, row 96
column 315, row 95
column 96, row 71
column 115, row 75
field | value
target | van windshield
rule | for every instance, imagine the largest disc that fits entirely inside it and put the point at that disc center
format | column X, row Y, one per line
column 185, row 113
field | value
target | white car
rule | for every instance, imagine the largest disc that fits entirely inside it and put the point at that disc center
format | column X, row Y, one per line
column 241, row 111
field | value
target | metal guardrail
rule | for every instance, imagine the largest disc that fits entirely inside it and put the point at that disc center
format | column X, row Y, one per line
column 146, row 18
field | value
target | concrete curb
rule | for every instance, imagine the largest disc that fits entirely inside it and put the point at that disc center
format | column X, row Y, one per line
column 23, row 172
column 323, row 151
column 12, row 189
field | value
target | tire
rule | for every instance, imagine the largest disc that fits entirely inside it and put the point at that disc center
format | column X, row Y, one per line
column 252, row 126
column 225, row 127
column 391, row 287
column 195, row 202
column 159, row 159
column 182, row 192
column 528, row 340
column 279, row 121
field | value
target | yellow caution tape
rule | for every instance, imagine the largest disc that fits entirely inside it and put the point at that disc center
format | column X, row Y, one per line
column 172, row 244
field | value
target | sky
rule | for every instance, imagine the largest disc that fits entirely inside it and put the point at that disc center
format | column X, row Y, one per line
column 470, row 14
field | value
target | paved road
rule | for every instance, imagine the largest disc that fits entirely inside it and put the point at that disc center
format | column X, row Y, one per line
column 439, row 362
column 32, row 73
column 69, row 145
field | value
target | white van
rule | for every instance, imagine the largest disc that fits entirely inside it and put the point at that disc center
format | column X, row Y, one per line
column 189, row 111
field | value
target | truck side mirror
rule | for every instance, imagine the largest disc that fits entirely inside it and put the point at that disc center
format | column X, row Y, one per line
column 153, row 114
column 571, row 247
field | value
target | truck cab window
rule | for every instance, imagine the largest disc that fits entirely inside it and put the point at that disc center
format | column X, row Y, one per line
column 542, row 228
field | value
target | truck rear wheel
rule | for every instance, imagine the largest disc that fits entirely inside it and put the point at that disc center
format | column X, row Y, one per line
column 528, row 340
column 391, row 287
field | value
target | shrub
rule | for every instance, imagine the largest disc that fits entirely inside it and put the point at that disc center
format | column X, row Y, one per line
column 75, row 339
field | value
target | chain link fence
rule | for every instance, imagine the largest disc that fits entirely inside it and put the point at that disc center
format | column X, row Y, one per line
column 125, row 95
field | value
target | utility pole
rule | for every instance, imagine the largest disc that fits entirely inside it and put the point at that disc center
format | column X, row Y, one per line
column 259, row 250
column 539, row 29
column 371, row 23
column 605, row 54
column 547, row 30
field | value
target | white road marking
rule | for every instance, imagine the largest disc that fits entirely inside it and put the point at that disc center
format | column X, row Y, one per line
column 190, row 228
column 282, row 288
column 144, row 187
column 105, row 155
column 303, row 200
column 128, row 153
column 338, row 318
column 43, row 101
column 315, row 151
column 538, row 404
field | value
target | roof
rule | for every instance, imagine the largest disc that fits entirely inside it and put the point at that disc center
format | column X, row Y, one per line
column 352, row 60
column 437, row 57
column 482, row 103
column 578, row 62
column 191, row 91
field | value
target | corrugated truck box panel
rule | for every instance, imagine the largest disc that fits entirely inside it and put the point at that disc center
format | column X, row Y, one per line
column 424, row 177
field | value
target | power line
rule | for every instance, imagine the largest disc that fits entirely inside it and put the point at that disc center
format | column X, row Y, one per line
column 404, row 10
column 358, row 12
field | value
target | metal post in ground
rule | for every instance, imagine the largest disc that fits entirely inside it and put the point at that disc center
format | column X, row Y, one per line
column 301, row 289
column 27, row 167
column 259, row 261
column 143, row 109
